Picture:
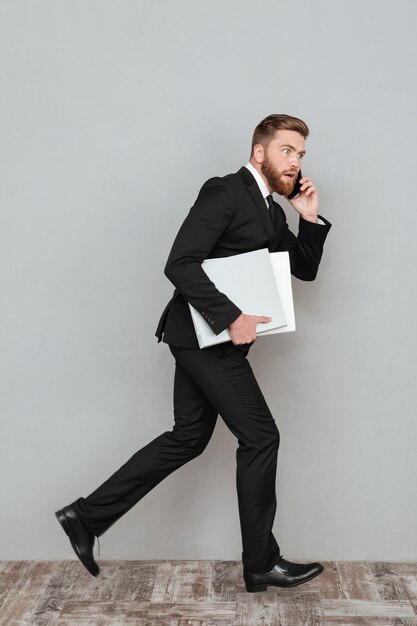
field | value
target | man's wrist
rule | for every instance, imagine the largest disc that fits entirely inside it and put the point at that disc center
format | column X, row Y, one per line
column 310, row 218
column 235, row 320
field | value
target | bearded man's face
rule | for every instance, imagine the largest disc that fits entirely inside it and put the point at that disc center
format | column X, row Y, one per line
column 282, row 161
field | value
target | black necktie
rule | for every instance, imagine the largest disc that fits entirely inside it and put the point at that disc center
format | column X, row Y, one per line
column 271, row 207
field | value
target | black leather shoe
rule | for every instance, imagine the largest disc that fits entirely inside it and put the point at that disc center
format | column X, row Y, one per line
column 283, row 574
column 81, row 540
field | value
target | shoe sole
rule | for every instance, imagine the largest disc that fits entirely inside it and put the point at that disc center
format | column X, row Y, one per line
column 60, row 515
column 256, row 588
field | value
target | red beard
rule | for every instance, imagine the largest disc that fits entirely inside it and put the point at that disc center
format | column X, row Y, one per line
column 276, row 181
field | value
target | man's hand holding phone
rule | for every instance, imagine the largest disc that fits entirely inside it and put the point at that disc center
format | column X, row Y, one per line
column 306, row 203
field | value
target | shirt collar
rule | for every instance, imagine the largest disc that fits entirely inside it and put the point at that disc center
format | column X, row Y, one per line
column 261, row 183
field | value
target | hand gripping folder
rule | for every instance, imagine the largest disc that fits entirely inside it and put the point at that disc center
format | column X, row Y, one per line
column 259, row 283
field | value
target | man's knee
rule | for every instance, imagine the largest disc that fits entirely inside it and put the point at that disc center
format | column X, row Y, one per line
column 195, row 443
column 273, row 438
column 276, row 437
column 269, row 439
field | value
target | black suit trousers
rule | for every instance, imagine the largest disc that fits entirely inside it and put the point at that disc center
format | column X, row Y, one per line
column 208, row 382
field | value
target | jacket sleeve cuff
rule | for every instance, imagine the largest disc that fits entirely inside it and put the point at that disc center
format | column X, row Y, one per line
column 312, row 230
column 223, row 321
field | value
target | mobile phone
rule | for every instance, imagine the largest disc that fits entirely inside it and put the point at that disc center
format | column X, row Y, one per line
column 297, row 186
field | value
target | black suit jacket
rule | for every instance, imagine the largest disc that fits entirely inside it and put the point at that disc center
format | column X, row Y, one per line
column 229, row 217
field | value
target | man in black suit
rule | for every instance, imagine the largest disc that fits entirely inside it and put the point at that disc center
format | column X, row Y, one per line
column 232, row 214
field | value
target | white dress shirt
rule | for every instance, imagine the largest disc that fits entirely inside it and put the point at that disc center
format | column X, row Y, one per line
column 263, row 186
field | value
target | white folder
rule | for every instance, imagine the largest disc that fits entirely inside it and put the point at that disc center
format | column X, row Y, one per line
column 282, row 272
column 259, row 283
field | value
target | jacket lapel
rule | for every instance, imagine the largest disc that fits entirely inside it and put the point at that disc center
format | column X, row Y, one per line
column 259, row 203
column 280, row 223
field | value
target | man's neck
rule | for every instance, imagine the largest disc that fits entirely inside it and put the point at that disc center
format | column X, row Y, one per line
column 258, row 169
column 260, row 179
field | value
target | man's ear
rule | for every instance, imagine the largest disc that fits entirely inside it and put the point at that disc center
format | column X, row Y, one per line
column 258, row 153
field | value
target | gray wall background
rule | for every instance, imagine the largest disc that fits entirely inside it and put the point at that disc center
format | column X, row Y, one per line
column 112, row 116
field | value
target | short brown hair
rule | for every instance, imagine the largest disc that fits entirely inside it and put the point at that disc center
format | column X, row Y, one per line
column 266, row 129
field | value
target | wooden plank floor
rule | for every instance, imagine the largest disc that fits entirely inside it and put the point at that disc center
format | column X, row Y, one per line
column 202, row 593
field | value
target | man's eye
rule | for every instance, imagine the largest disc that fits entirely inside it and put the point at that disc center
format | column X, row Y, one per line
column 300, row 156
column 286, row 150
